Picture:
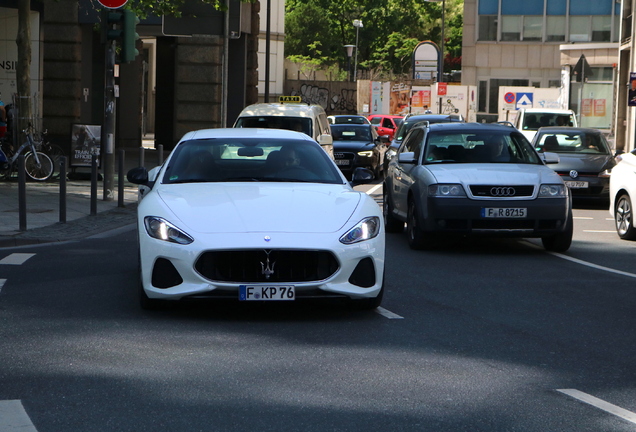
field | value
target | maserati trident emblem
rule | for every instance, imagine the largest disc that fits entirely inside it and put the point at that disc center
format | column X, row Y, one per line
column 267, row 268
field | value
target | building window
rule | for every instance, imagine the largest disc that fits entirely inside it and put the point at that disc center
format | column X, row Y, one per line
column 554, row 83
column 488, row 27
column 482, row 102
column 532, row 28
column 555, row 29
column 579, row 29
column 510, row 25
column 602, row 28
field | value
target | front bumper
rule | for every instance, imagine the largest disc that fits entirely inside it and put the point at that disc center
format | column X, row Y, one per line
column 545, row 216
column 173, row 272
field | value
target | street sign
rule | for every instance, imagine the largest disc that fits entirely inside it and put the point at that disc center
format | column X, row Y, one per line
column 524, row 100
column 112, row 4
column 509, row 97
column 582, row 70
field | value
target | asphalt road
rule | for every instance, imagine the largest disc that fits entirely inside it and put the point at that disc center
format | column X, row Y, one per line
column 480, row 335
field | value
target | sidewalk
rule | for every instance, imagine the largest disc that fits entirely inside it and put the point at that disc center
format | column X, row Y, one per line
column 43, row 212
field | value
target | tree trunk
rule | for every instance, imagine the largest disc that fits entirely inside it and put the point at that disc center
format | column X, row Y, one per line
column 23, row 70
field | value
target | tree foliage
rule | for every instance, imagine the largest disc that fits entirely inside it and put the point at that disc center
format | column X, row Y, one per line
column 391, row 30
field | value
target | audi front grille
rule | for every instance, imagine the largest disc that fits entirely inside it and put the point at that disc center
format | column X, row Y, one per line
column 502, row 191
column 266, row 266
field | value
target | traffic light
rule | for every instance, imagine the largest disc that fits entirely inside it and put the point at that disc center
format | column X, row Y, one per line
column 129, row 36
column 111, row 25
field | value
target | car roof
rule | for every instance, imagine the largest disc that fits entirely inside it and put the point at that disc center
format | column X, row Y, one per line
column 568, row 129
column 548, row 110
column 424, row 117
column 348, row 125
column 469, row 127
column 281, row 109
column 385, row 115
column 246, row 133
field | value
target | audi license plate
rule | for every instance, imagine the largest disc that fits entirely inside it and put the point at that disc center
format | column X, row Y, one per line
column 266, row 292
column 342, row 161
column 577, row 184
column 495, row 212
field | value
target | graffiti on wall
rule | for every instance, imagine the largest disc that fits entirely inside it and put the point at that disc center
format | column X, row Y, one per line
column 340, row 100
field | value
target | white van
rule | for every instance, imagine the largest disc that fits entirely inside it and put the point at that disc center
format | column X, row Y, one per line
column 529, row 120
column 309, row 119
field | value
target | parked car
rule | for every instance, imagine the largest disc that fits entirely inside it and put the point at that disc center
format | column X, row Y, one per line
column 385, row 124
column 358, row 145
column 529, row 120
column 257, row 215
column 586, row 159
column 475, row 179
column 622, row 195
column 295, row 116
column 347, row 119
column 411, row 120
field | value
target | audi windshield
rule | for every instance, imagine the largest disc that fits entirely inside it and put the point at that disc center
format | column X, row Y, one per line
column 479, row 147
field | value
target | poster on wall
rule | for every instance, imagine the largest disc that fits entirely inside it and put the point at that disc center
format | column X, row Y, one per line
column 400, row 95
column 85, row 141
column 631, row 100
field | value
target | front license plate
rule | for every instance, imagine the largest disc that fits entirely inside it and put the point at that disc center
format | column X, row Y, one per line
column 266, row 292
column 577, row 184
column 494, row 212
column 342, row 162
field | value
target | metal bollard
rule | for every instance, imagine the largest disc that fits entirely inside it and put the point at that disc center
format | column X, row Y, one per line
column 22, row 193
column 120, row 184
column 63, row 189
column 93, row 185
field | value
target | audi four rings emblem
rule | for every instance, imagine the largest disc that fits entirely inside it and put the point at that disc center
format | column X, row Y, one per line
column 574, row 174
column 502, row 191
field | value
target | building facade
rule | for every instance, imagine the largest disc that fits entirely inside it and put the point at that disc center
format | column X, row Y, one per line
column 538, row 43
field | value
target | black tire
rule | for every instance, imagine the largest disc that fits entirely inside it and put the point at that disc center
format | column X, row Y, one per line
column 56, row 153
column 41, row 171
column 369, row 303
column 560, row 242
column 417, row 238
column 624, row 218
column 391, row 223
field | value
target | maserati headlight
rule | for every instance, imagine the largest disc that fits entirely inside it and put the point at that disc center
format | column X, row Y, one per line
column 553, row 191
column 446, row 190
column 366, row 229
column 161, row 229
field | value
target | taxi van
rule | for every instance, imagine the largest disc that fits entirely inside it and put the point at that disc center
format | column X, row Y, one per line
column 291, row 114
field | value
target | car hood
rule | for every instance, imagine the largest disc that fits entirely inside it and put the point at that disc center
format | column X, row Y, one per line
column 350, row 145
column 493, row 174
column 260, row 207
column 583, row 162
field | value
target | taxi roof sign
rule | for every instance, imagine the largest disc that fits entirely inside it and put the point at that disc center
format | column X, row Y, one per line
column 283, row 99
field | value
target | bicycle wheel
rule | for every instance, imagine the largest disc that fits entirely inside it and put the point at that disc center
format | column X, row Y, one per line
column 56, row 153
column 41, row 171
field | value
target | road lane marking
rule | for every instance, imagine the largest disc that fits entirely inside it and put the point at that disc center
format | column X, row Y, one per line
column 600, row 404
column 13, row 417
column 589, row 264
column 16, row 258
column 374, row 188
column 2, row 282
column 600, row 231
column 583, row 217
column 387, row 314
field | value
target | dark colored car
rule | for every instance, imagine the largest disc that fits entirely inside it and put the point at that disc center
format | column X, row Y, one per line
column 358, row 146
column 410, row 121
column 586, row 159
column 347, row 119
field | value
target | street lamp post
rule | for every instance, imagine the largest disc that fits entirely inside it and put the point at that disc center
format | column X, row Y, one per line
column 440, row 66
column 349, row 54
column 357, row 24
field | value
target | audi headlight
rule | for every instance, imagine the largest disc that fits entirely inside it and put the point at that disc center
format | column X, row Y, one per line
column 365, row 153
column 446, row 190
column 161, row 229
column 366, row 229
column 553, row 191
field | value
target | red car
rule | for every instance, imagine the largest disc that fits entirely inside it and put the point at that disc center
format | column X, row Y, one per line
column 385, row 124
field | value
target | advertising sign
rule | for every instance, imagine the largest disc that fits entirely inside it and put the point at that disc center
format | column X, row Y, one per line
column 631, row 99
column 85, row 141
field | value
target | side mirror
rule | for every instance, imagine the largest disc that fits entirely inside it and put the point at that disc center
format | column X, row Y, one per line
column 361, row 175
column 407, row 157
column 138, row 176
column 325, row 139
column 384, row 139
column 550, row 158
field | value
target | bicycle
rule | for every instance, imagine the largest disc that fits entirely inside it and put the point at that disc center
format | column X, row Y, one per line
column 54, row 152
column 38, row 165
